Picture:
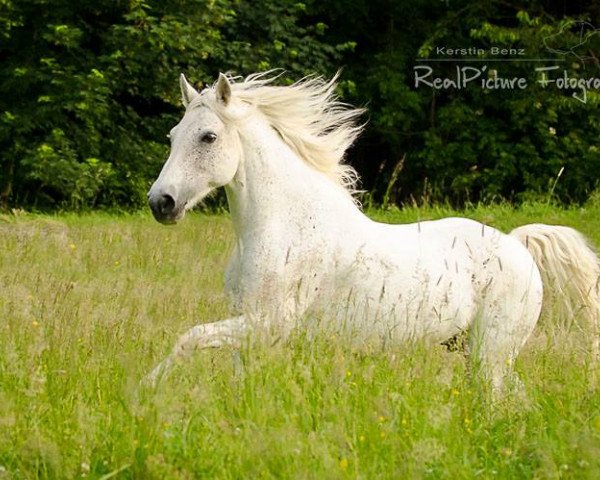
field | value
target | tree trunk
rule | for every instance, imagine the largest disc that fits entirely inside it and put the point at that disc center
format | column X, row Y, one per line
column 7, row 185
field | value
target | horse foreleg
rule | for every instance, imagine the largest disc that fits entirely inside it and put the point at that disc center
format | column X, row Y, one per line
column 230, row 332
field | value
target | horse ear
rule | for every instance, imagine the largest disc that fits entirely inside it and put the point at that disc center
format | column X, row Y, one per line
column 188, row 93
column 223, row 89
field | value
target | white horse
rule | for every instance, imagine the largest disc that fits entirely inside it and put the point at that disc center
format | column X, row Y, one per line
column 304, row 249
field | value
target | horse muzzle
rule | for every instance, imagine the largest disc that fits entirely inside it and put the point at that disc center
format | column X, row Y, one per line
column 165, row 207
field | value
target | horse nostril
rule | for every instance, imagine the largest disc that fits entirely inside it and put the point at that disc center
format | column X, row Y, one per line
column 166, row 204
column 163, row 207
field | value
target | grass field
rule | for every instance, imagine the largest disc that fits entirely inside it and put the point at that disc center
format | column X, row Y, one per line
column 89, row 304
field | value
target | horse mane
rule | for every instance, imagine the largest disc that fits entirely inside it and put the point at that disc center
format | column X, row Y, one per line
column 309, row 117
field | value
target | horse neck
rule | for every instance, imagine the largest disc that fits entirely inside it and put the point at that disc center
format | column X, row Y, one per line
column 274, row 185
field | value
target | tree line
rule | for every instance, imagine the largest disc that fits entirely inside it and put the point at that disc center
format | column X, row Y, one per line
column 88, row 91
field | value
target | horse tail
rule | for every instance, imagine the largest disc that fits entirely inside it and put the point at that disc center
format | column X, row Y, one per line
column 570, row 272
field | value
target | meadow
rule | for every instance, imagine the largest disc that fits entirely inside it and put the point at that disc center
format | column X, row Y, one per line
column 90, row 303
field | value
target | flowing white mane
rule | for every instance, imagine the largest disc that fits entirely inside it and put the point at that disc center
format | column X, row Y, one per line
column 308, row 116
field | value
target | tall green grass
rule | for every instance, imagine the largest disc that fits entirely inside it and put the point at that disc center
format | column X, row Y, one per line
column 89, row 304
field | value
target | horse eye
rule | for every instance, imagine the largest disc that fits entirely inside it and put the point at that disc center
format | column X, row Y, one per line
column 209, row 137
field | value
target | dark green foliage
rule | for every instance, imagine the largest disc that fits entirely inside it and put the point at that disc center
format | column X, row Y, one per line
column 470, row 145
column 514, row 143
column 88, row 91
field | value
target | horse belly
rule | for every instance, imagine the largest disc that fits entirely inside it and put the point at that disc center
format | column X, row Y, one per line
column 406, row 303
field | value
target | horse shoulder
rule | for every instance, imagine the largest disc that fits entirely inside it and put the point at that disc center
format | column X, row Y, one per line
column 232, row 275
